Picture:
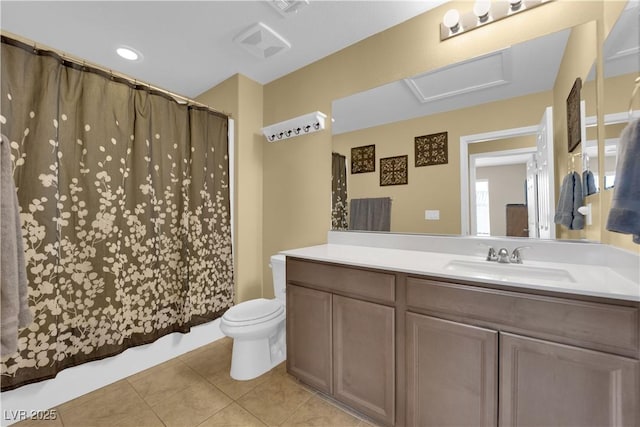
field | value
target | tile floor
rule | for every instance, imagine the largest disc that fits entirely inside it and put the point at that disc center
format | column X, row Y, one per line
column 195, row 390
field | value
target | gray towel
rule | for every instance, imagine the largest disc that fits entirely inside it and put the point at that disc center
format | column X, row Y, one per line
column 568, row 203
column 588, row 183
column 13, row 275
column 564, row 211
column 370, row 214
column 578, row 200
column 624, row 216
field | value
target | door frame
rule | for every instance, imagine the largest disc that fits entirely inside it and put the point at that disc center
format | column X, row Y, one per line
column 472, row 176
column 465, row 141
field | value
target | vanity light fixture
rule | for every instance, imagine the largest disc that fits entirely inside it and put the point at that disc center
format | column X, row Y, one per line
column 483, row 12
column 128, row 53
column 308, row 123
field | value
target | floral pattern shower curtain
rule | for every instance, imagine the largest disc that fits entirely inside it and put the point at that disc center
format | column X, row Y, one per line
column 124, row 197
column 338, row 192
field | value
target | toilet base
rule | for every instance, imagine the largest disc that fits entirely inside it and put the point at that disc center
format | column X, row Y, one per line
column 254, row 357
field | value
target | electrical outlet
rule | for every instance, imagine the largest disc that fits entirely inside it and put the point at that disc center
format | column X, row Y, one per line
column 432, row 215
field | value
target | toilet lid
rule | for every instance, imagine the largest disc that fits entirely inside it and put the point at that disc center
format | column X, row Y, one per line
column 252, row 311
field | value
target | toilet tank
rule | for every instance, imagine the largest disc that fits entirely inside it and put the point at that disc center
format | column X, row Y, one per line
column 278, row 270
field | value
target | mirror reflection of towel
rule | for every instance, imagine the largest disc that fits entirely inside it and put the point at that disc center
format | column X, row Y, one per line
column 370, row 214
column 588, row 183
column 624, row 215
column 568, row 203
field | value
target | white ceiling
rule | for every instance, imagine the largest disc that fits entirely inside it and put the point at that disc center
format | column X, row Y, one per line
column 188, row 46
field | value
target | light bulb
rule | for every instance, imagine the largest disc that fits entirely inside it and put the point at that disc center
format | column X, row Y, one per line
column 451, row 20
column 481, row 9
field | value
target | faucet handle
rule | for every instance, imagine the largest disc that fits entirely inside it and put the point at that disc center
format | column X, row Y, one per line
column 492, row 255
column 516, row 256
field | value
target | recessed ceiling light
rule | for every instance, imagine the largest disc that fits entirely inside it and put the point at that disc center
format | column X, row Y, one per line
column 129, row 53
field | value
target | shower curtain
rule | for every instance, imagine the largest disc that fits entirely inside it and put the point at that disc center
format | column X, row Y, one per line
column 338, row 192
column 124, row 197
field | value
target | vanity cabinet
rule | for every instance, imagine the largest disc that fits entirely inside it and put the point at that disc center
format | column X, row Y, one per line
column 550, row 384
column 562, row 362
column 363, row 357
column 343, row 343
column 309, row 340
column 451, row 373
column 421, row 351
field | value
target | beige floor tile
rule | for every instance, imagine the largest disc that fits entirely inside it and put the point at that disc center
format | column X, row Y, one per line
column 57, row 422
column 233, row 388
column 118, row 406
column 96, row 394
column 191, row 406
column 274, row 400
column 317, row 412
column 165, row 381
column 155, row 369
column 210, row 359
column 233, row 415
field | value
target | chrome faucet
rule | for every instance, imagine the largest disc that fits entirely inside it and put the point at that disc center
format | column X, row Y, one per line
column 503, row 257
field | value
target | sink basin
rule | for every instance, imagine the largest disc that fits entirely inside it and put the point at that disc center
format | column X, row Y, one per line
column 508, row 272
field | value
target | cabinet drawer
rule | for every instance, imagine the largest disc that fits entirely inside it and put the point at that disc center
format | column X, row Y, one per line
column 350, row 281
column 606, row 327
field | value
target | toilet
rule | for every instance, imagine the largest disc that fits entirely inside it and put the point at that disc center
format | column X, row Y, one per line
column 258, row 329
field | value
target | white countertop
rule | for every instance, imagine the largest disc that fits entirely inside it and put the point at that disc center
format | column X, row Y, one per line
column 592, row 280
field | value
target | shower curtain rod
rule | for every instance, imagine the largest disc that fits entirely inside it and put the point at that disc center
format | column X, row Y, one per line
column 70, row 60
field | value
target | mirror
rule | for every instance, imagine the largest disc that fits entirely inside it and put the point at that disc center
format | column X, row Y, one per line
column 482, row 99
column 621, row 67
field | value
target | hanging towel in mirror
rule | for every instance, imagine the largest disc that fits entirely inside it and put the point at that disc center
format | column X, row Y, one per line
column 568, row 203
column 14, row 306
column 588, row 183
column 624, row 215
column 370, row 214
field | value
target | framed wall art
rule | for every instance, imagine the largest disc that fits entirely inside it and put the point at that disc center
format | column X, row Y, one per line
column 394, row 170
column 432, row 149
column 573, row 115
column 363, row 159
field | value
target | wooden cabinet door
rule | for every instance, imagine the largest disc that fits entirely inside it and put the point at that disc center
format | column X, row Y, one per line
column 309, row 345
column 451, row 373
column 364, row 357
column 548, row 384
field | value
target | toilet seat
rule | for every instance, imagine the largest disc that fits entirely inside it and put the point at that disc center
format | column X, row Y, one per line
column 253, row 312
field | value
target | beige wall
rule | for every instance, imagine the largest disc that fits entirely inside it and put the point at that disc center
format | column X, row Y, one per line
column 506, row 186
column 242, row 98
column 402, row 51
column 580, row 56
column 296, row 173
column 434, row 187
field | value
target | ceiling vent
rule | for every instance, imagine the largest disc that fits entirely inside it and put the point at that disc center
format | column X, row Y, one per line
column 262, row 41
column 287, row 7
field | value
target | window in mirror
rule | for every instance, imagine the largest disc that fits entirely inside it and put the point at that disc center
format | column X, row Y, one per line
column 482, row 208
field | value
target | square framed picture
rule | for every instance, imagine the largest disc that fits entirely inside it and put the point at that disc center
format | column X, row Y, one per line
column 363, row 159
column 432, row 149
column 573, row 115
column 394, row 170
